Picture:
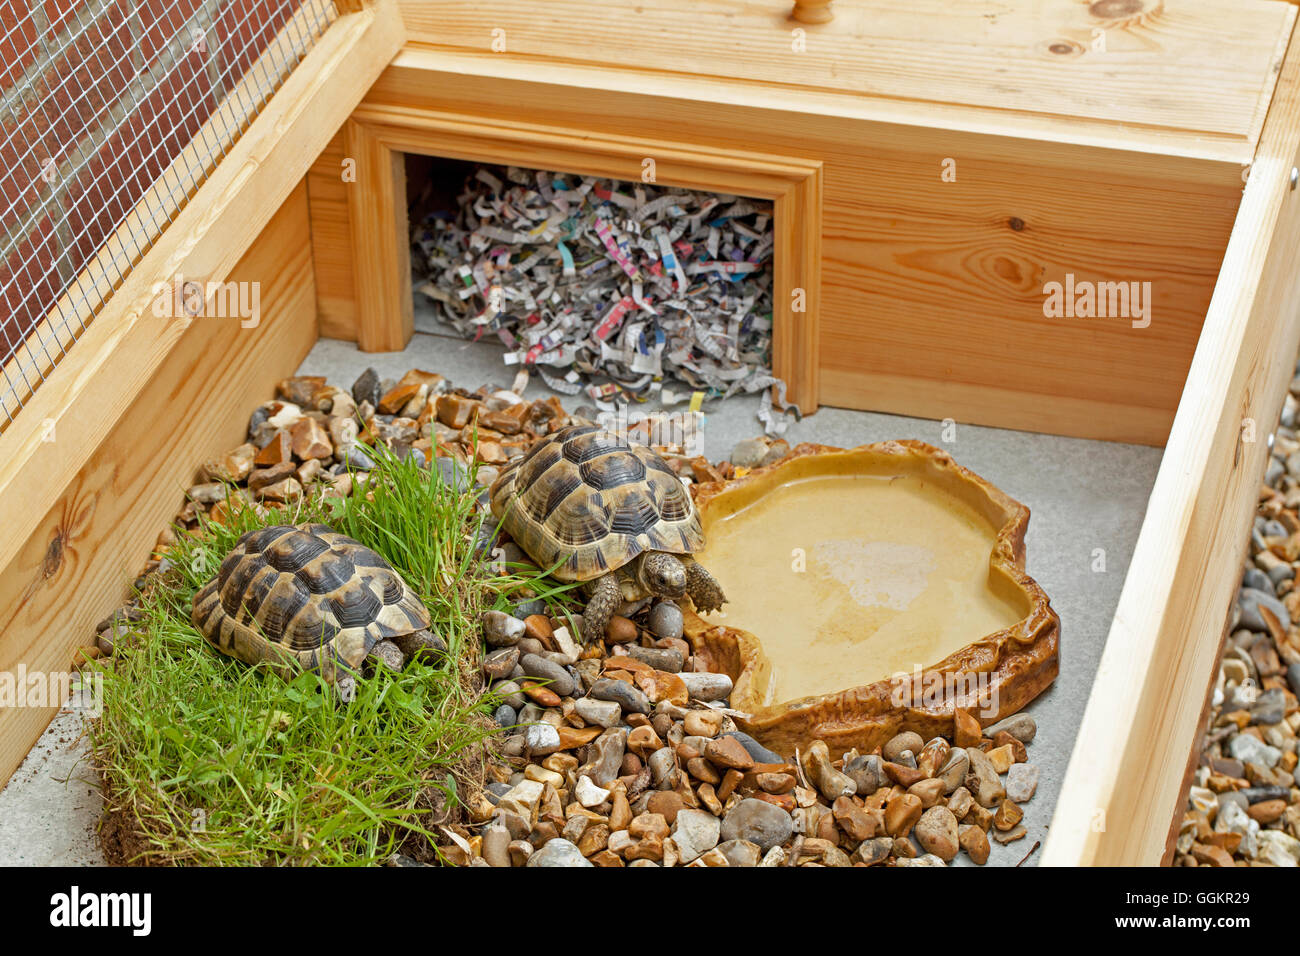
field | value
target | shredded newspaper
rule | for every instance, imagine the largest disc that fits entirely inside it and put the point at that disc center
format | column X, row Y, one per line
column 625, row 291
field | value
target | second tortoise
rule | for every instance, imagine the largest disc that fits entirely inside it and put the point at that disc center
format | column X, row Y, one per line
column 612, row 515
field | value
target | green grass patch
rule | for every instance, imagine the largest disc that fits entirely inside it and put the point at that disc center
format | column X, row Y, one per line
column 209, row 761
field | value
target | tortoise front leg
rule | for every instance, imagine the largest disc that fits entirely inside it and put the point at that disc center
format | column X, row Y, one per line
column 706, row 594
column 606, row 596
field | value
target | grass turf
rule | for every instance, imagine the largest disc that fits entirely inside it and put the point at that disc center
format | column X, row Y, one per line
column 209, row 761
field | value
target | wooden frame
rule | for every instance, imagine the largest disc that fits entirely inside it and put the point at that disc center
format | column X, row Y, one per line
column 377, row 135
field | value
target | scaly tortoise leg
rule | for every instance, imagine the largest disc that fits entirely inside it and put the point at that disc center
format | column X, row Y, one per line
column 606, row 596
column 703, row 587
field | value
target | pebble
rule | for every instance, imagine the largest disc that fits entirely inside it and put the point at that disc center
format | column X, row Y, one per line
column 695, row 832
column 830, row 782
column 705, row 686
column 758, row 822
column 756, row 750
column 1250, row 749
column 504, row 716
column 936, row 831
column 1021, row 782
column 603, row 713
column 558, row 852
column 749, row 453
column 501, row 662
column 704, row 723
column 740, row 852
column 666, row 621
column 953, row 772
column 500, row 629
column 660, row 658
column 1020, row 726
column 982, row 780
column 624, row 694
column 542, row 738
column 1250, row 601
column 907, row 740
column 560, row 681
column 867, row 773
column 588, row 794
column 607, row 756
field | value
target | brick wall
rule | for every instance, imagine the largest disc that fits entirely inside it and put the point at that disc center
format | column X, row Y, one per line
column 97, row 97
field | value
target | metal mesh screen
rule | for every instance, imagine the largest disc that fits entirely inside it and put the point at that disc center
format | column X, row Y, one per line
column 112, row 114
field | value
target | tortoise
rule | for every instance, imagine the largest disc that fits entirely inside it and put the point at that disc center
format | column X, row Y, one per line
column 306, row 597
column 607, row 513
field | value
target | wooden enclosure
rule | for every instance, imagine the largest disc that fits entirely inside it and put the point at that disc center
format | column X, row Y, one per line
column 934, row 167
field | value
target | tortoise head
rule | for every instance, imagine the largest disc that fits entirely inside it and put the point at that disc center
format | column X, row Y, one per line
column 663, row 574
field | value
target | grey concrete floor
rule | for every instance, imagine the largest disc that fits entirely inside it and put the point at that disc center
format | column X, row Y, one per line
column 1083, row 495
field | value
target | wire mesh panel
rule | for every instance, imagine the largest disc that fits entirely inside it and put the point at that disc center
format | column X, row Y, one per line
column 112, row 114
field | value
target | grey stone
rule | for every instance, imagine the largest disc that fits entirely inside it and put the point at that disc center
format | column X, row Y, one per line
column 510, row 693
column 1269, row 707
column 695, row 832
column 1021, row 782
column 1258, row 580
column 953, row 771
column 704, row 686
column 1250, row 601
column 663, row 768
column 501, row 630
column 1021, row 726
column 505, row 715
column 749, row 452
column 542, row 738
column 366, row 387
column 867, row 772
column 660, row 658
column 1250, row 749
column 603, row 713
column 666, row 620
column 758, row 822
column 624, row 694
column 606, row 756
column 560, row 680
column 558, row 852
column 756, row 750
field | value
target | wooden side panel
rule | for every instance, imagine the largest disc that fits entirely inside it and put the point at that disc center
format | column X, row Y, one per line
column 79, row 563
column 931, row 294
column 331, row 243
column 1126, row 776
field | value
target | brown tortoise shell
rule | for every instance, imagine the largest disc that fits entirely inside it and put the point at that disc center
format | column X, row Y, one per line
column 585, row 499
column 305, row 597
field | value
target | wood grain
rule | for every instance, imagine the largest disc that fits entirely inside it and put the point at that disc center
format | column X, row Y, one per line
column 1126, row 778
column 380, row 242
column 331, row 246
column 78, row 562
column 1034, row 59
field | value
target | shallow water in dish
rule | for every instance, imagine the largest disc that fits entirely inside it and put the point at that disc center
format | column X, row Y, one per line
column 895, row 576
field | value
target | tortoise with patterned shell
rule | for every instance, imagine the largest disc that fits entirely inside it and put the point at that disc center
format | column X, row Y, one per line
column 607, row 513
column 309, row 598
